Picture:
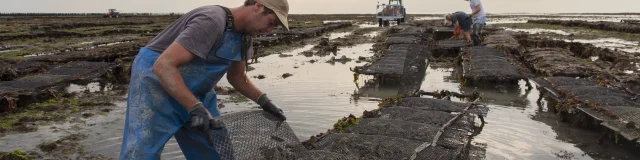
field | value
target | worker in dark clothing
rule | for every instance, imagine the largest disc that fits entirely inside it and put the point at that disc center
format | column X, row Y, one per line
column 461, row 20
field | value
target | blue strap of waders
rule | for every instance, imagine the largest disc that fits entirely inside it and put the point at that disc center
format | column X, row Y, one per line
column 245, row 45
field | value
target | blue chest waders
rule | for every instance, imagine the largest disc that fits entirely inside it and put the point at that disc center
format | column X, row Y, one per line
column 153, row 116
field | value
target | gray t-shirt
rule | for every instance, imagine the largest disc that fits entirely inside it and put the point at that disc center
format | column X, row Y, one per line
column 473, row 4
column 198, row 31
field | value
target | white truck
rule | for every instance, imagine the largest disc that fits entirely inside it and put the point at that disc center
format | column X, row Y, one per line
column 392, row 11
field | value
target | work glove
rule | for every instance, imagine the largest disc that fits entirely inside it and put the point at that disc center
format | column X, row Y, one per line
column 200, row 120
column 266, row 105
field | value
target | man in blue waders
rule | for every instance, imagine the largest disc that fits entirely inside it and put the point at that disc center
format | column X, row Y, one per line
column 172, row 78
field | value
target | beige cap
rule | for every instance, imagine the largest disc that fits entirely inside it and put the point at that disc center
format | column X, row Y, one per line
column 280, row 7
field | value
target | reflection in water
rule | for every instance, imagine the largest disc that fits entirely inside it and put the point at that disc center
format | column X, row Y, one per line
column 611, row 43
column 372, row 88
column 318, row 94
column 91, row 87
column 339, row 35
column 538, row 30
column 428, row 18
column 336, row 21
column 564, row 17
column 372, row 34
column 368, row 25
column 510, row 132
column 37, row 54
column 5, row 51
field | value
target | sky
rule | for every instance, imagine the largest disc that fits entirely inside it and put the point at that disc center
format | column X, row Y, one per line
column 324, row 6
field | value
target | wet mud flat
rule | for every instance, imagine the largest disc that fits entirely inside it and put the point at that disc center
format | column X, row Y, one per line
column 34, row 88
column 521, row 60
column 25, row 77
column 57, row 51
column 619, row 65
column 525, row 59
column 604, row 39
column 583, row 84
column 609, row 26
column 296, row 34
column 407, row 127
column 418, row 50
column 41, row 59
column 558, row 61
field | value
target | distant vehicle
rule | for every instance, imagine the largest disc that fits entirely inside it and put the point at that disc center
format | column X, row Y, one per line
column 393, row 11
column 112, row 13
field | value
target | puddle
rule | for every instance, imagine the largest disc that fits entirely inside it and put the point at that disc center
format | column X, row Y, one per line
column 318, row 94
column 510, row 132
column 368, row 25
column 339, row 35
column 589, row 18
column 5, row 51
column 629, row 72
column 504, row 21
column 373, row 91
column 538, row 31
column 373, row 34
column 336, row 21
column 29, row 141
column 297, row 51
column 103, row 132
column 83, row 43
column 611, row 43
column 113, row 43
column 523, row 18
column 38, row 54
column 12, row 48
column 91, row 87
column 428, row 18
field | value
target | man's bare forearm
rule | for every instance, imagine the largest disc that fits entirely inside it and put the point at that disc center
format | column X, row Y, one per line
column 478, row 9
column 172, row 82
column 246, row 88
column 237, row 78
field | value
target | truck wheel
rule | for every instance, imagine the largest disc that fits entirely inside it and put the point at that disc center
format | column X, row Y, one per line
column 385, row 23
column 379, row 22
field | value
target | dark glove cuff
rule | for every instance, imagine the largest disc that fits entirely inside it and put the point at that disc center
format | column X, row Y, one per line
column 196, row 106
column 263, row 99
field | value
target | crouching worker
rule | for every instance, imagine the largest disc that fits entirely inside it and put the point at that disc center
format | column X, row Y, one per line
column 172, row 78
column 463, row 21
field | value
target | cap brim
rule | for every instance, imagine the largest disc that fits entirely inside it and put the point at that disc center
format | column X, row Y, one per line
column 283, row 19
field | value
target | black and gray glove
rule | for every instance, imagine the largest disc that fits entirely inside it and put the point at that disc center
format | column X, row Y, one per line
column 266, row 105
column 200, row 120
